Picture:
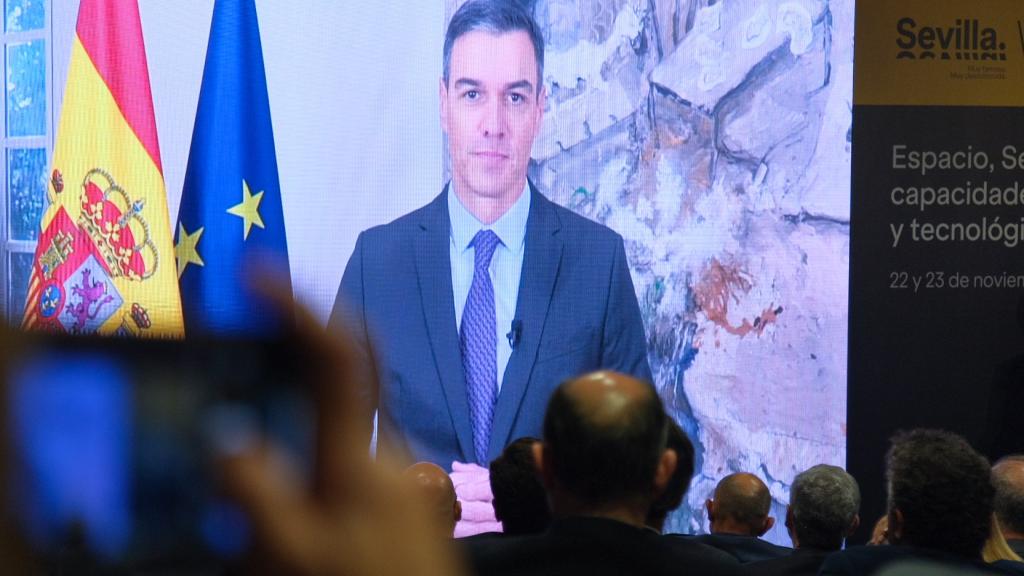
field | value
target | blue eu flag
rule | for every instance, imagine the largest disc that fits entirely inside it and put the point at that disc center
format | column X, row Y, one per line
column 230, row 223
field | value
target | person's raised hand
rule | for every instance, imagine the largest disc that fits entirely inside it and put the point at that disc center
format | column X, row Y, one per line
column 354, row 516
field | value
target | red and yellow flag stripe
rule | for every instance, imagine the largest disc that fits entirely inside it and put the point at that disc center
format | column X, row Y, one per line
column 105, row 260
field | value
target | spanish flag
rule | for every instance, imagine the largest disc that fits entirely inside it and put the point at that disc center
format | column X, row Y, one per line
column 105, row 260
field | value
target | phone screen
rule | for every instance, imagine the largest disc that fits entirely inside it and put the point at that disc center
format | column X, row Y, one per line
column 111, row 442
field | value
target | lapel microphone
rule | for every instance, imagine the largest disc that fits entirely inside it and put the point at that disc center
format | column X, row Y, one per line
column 515, row 333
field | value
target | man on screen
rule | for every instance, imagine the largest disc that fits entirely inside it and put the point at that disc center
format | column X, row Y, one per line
column 480, row 303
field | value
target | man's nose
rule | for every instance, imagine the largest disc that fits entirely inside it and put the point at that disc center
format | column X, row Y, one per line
column 494, row 122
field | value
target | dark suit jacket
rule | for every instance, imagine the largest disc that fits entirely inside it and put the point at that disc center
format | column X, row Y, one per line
column 1009, row 566
column 860, row 560
column 801, row 562
column 576, row 305
column 743, row 548
column 594, row 547
column 1017, row 546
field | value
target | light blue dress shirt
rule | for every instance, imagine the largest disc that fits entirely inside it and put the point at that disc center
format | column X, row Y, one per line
column 506, row 265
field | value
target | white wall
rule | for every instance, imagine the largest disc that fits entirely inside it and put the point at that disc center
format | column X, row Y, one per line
column 354, row 104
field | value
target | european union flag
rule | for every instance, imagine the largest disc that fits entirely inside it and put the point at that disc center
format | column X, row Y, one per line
column 230, row 217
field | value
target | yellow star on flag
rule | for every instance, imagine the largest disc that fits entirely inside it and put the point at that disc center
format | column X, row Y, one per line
column 249, row 209
column 185, row 250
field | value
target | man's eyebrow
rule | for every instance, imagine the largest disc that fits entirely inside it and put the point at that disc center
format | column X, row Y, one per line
column 471, row 83
column 520, row 84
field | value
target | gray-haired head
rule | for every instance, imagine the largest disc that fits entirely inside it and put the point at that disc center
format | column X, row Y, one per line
column 1008, row 480
column 824, row 501
column 494, row 17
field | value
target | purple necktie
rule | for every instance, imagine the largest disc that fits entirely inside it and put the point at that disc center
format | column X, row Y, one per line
column 479, row 342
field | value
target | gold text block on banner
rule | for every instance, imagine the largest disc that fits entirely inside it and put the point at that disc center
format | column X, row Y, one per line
column 939, row 53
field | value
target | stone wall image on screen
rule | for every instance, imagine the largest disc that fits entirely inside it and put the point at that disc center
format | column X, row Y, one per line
column 715, row 137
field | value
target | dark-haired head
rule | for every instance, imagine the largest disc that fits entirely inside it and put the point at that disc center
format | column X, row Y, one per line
column 940, row 492
column 494, row 17
column 520, row 503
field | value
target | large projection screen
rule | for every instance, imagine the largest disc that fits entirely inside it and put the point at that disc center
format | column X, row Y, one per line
column 713, row 136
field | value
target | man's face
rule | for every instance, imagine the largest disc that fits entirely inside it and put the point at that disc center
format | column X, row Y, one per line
column 491, row 112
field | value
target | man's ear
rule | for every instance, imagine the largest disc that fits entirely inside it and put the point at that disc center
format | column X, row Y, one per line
column 666, row 468
column 853, row 525
column 768, row 523
column 895, row 530
column 542, row 460
column 709, row 506
column 790, row 523
column 458, row 511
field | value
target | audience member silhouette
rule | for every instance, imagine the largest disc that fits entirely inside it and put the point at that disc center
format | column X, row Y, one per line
column 822, row 512
column 603, row 462
column 520, row 503
column 940, row 506
column 739, row 515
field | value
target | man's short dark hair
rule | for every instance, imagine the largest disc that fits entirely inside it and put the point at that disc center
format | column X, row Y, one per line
column 943, row 489
column 824, row 500
column 672, row 497
column 600, row 461
column 495, row 17
column 1009, row 499
column 520, row 502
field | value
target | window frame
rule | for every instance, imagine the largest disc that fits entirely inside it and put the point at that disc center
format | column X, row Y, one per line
column 13, row 310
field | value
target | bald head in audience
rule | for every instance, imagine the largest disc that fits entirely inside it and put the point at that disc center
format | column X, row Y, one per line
column 1008, row 480
column 740, row 506
column 604, row 450
column 435, row 488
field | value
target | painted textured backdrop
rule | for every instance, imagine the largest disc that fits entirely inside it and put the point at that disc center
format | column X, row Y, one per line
column 715, row 137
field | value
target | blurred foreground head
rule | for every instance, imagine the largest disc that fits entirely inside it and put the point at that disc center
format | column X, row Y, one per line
column 940, row 493
column 604, row 449
column 823, row 508
column 740, row 506
column 520, row 502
